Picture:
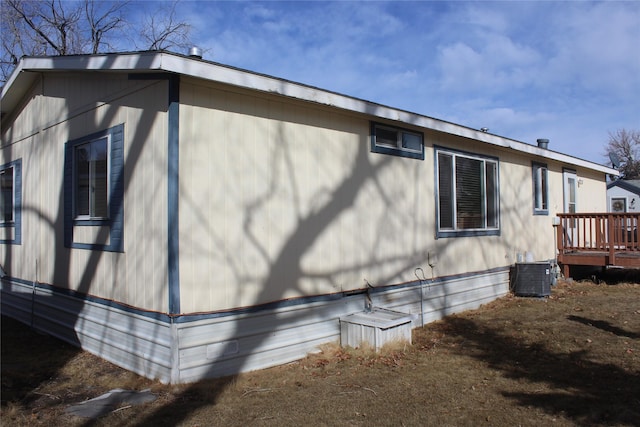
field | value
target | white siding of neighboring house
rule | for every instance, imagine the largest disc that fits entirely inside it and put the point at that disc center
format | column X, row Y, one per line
column 631, row 199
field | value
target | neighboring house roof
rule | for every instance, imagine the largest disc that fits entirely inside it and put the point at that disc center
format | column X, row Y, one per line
column 28, row 69
column 632, row 185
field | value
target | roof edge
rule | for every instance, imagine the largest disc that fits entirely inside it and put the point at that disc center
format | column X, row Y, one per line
column 198, row 68
column 624, row 184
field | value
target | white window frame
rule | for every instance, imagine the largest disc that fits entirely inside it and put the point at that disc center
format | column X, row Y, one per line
column 540, row 177
column 398, row 146
column 455, row 230
column 3, row 172
column 91, row 215
column 622, row 200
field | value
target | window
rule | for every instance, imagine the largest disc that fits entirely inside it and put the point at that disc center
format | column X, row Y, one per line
column 7, row 198
column 618, row 204
column 540, row 189
column 11, row 201
column 91, row 195
column 467, row 194
column 94, row 187
column 400, row 142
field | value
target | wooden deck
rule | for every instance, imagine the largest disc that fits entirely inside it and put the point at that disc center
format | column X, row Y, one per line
column 598, row 239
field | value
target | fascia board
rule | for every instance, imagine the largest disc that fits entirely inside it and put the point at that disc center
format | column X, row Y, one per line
column 13, row 90
column 11, row 80
column 107, row 62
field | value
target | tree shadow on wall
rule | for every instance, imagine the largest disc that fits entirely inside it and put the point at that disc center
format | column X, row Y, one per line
column 47, row 242
column 285, row 274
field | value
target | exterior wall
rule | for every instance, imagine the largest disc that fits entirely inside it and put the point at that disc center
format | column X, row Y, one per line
column 522, row 231
column 592, row 191
column 62, row 108
column 632, row 200
column 281, row 199
column 272, row 197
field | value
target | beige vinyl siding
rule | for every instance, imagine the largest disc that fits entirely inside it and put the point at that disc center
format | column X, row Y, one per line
column 521, row 230
column 25, row 121
column 282, row 199
column 278, row 198
column 136, row 277
column 13, row 256
column 91, row 235
column 591, row 191
column 272, row 197
column 7, row 233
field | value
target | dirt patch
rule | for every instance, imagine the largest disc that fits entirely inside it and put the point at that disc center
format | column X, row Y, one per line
column 570, row 359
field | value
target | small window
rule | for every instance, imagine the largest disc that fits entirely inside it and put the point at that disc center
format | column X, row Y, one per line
column 11, row 201
column 467, row 194
column 396, row 141
column 7, row 199
column 94, row 188
column 540, row 189
column 91, row 190
column 618, row 204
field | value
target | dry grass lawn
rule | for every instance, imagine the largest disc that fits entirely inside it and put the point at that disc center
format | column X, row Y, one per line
column 571, row 359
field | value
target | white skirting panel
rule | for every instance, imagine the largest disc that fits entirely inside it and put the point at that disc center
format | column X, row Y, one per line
column 440, row 298
column 138, row 343
column 222, row 346
column 218, row 345
column 233, row 344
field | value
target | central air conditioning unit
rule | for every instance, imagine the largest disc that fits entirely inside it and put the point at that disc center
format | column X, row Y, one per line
column 532, row 279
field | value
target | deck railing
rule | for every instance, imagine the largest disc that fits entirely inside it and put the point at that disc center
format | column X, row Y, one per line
column 610, row 234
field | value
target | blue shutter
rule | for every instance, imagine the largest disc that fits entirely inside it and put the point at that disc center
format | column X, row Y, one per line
column 17, row 207
column 116, row 207
column 68, row 194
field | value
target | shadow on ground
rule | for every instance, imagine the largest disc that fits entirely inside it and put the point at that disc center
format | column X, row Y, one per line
column 572, row 385
column 24, row 363
column 608, row 276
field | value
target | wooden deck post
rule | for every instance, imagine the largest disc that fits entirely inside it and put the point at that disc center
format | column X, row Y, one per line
column 560, row 240
column 611, row 230
column 560, row 245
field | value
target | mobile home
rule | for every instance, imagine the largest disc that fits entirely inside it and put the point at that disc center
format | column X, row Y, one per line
column 185, row 219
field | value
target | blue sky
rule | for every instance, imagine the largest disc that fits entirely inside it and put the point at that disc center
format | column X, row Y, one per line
column 565, row 71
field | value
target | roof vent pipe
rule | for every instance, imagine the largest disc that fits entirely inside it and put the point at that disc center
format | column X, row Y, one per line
column 543, row 143
column 195, row 52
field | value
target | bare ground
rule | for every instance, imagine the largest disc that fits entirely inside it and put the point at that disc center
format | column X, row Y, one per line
column 570, row 359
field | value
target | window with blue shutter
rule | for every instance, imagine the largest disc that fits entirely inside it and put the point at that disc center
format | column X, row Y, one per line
column 94, row 187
